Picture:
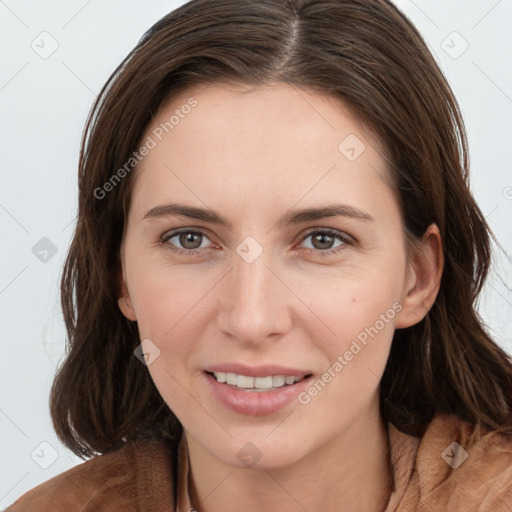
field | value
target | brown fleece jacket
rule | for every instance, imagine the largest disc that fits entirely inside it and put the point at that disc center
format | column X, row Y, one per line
column 431, row 475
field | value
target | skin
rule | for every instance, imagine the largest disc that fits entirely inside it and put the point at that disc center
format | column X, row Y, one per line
column 253, row 155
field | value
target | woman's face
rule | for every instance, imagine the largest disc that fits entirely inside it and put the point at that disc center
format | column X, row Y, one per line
column 264, row 245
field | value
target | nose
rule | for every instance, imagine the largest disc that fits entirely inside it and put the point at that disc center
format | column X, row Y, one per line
column 255, row 305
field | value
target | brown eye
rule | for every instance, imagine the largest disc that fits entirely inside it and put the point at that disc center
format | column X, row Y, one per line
column 326, row 241
column 186, row 240
column 190, row 240
column 322, row 241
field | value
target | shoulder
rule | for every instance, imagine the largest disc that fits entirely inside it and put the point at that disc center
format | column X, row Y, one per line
column 462, row 467
column 138, row 476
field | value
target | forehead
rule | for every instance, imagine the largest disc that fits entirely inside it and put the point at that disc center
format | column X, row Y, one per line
column 279, row 116
column 241, row 141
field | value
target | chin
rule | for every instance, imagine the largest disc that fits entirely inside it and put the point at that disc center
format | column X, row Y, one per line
column 260, row 450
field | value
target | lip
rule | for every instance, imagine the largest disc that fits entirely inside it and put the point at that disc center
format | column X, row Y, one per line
column 257, row 371
column 255, row 403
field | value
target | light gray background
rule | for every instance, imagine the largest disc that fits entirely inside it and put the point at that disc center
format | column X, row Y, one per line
column 43, row 105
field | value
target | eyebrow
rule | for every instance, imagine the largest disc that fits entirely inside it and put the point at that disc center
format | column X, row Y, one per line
column 292, row 217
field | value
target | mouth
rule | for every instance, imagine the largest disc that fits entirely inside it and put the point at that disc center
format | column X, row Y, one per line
column 257, row 391
column 256, row 384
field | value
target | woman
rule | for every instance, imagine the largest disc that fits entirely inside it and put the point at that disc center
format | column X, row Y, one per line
column 270, row 291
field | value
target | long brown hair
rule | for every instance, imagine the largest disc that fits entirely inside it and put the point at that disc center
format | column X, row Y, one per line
column 369, row 55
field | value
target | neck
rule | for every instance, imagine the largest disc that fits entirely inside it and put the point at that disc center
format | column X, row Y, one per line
column 351, row 472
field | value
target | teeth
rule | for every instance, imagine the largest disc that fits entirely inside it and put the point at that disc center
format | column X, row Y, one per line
column 221, row 376
column 263, row 382
column 244, row 382
column 278, row 381
column 256, row 383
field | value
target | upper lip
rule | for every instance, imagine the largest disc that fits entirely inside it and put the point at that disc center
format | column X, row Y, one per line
column 257, row 371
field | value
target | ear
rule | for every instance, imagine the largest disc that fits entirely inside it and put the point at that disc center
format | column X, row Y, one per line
column 124, row 302
column 423, row 280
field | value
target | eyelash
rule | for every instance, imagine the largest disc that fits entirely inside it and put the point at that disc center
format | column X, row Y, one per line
column 343, row 237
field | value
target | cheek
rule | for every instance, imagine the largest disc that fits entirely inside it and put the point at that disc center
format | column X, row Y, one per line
column 354, row 357
column 165, row 297
column 174, row 310
column 357, row 312
column 350, row 303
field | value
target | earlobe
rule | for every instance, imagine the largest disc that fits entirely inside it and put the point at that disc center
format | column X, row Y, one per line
column 125, row 304
column 423, row 280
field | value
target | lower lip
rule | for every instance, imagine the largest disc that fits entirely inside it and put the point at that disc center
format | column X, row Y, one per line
column 256, row 403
